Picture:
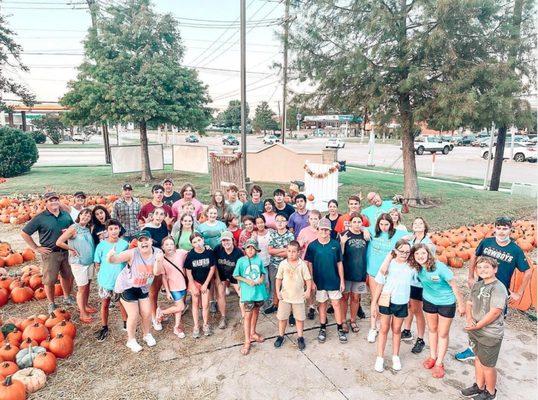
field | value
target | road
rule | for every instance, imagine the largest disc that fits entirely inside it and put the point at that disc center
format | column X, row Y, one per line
column 461, row 162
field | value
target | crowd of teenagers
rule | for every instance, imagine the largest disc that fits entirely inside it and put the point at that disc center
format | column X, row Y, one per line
column 278, row 257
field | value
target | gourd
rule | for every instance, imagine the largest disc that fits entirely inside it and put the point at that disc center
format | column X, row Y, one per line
column 12, row 390
column 25, row 357
column 32, row 378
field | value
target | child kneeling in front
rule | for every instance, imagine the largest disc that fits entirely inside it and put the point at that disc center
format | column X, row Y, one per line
column 292, row 277
column 485, row 326
column 250, row 273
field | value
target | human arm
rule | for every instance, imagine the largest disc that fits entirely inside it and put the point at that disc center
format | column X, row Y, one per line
column 386, row 262
column 471, row 280
column 374, row 309
column 469, row 322
column 459, row 298
column 340, row 266
column 310, row 270
column 366, row 233
column 207, row 281
column 124, row 256
column 343, row 240
column 491, row 316
column 278, row 286
column 64, row 237
column 192, row 287
column 308, row 290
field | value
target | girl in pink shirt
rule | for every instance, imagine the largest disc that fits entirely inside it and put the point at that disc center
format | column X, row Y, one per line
column 174, row 282
column 269, row 213
column 310, row 233
column 187, row 193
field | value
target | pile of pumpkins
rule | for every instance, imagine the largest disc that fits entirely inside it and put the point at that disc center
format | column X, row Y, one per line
column 11, row 258
column 20, row 211
column 455, row 246
column 29, row 349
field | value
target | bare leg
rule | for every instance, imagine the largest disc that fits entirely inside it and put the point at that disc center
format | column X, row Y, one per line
column 490, row 376
column 145, row 306
column 354, row 306
column 344, row 302
column 337, row 311
column 132, row 318
column 105, row 304
column 254, row 321
column 396, row 335
column 419, row 316
column 178, row 307
column 300, row 327
column 282, row 327
column 241, row 306
column 385, row 321
column 205, row 307
column 49, row 291
column 221, row 296
column 433, row 322
column 82, row 295
column 154, row 293
column 87, row 295
column 322, row 309
column 67, row 285
column 195, row 317
column 444, row 328
column 479, row 373
column 373, row 286
column 246, row 331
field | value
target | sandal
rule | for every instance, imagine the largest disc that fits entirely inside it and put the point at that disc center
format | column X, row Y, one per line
column 345, row 327
column 428, row 363
column 354, row 327
column 245, row 349
column 86, row 320
column 438, row 371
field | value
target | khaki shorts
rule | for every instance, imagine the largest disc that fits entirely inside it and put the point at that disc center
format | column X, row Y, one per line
column 284, row 310
column 356, row 287
column 487, row 355
column 83, row 273
column 323, row 295
column 53, row 264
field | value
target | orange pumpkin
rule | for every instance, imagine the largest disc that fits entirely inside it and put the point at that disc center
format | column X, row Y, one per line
column 66, row 328
column 5, row 281
column 35, row 281
column 61, row 346
column 14, row 259
column 8, row 351
column 37, row 332
column 8, row 368
column 12, row 389
column 22, row 294
column 45, row 362
column 58, row 291
column 455, row 262
column 28, row 342
column 63, row 313
column 4, row 297
column 28, row 254
column 40, row 293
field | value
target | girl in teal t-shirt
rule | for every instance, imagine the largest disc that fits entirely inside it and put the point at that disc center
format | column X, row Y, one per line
column 212, row 228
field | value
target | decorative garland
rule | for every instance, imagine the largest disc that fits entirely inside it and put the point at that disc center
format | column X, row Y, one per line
column 332, row 169
column 227, row 159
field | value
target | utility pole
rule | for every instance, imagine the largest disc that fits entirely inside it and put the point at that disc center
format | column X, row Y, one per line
column 285, row 68
column 243, row 88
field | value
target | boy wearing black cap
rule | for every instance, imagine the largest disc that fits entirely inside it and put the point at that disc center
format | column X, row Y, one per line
column 126, row 210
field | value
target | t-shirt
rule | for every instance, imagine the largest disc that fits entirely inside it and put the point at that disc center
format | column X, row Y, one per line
column 252, row 209
column 378, row 248
column 307, row 236
column 288, row 210
column 108, row 272
column 342, row 222
column 354, row 257
column 176, row 280
column 293, row 278
column 236, row 234
column 397, row 282
column 226, row 262
column 178, row 205
column 157, row 234
column 427, row 241
column 484, row 297
column 509, row 257
column 334, row 234
column 278, row 241
column 235, row 207
column 211, row 233
column 49, row 228
column 270, row 220
column 324, row 259
column 183, row 241
column 297, row 222
column 169, row 200
column 263, row 244
column 148, row 208
column 373, row 212
column 200, row 264
column 436, row 288
column 251, row 268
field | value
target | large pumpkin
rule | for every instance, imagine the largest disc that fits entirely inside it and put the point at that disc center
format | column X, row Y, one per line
column 40, row 293
column 61, row 346
column 12, row 390
column 4, row 297
column 63, row 313
column 28, row 254
column 45, row 362
column 36, row 281
column 8, row 352
column 32, row 378
column 22, row 294
column 8, row 368
column 36, row 331
column 66, row 328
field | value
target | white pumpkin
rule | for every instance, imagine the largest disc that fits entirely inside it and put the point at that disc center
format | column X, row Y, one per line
column 32, row 378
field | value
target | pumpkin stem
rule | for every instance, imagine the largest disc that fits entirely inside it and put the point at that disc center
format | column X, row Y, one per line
column 7, row 381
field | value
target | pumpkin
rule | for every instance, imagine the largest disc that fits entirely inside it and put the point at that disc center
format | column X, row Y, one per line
column 8, row 352
column 45, row 344
column 25, row 357
column 28, row 254
column 37, row 332
column 29, row 321
column 15, row 284
column 22, row 294
column 66, row 328
column 35, row 281
column 61, row 346
column 53, row 320
column 8, row 368
column 4, row 297
column 32, row 378
column 5, row 281
column 12, row 390
column 14, row 259
column 62, row 313
column 14, row 337
column 45, row 362
column 58, row 291
column 455, row 262
column 28, row 342
column 40, row 293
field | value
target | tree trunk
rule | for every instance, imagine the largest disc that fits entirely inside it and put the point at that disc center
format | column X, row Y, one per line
column 106, row 142
column 144, row 153
column 411, row 191
column 498, row 161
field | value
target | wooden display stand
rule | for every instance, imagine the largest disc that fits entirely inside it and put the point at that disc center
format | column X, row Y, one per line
column 226, row 168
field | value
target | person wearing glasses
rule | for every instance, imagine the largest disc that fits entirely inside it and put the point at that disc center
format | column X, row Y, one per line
column 144, row 216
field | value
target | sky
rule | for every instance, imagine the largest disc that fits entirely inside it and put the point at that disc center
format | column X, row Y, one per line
column 51, row 33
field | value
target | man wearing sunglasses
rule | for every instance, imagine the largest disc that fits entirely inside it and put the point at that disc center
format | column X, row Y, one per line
column 146, row 211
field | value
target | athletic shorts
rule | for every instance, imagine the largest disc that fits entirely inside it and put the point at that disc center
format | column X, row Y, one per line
column 397, row 310
column 83, row 273
column 134, row 294
column 487, row 355
column 356, row 287
column 448, row 311
column 416, row 293
column 323, row 295
column 226, row 275
column 251, row 305
column 285, row 309
column 53, row 264
column 178, row 294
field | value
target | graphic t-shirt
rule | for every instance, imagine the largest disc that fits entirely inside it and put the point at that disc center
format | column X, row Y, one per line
column 251, row 268
column 287, row 210
column 324, row 259
column 200, row 264
column 397, row 282
column 235, row 207
column 378, row 248
column 427, row 241
column 509, row 257
column 108, row 272
column 293, row 280
column 354, row 257
column 278, row 241
column 373, row 212
column 147, row 210
column 169, row 200
column 226, row 262
column 297, row 222
column 343, row 222
column 484, row 297
column 211, row 233
column 437, row 290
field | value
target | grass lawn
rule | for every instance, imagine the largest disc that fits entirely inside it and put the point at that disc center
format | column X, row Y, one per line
column 459, row 205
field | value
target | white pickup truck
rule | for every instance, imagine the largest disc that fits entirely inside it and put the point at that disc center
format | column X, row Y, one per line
column 432, row 144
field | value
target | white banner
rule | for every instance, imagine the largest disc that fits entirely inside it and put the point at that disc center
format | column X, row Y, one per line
column 320, row 183
column 129, row 159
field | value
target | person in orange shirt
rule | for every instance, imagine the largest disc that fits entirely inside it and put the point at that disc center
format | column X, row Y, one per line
column 354, row 206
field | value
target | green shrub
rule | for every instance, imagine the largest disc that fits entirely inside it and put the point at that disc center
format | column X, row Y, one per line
column 18, row 152
column 39, row 137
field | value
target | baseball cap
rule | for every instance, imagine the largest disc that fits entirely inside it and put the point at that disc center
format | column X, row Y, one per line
column 324, row 223
column 251, row 243
column 226, row 235
column 79, row 194
column 50, row 195
column 503, row 221
column 143, row 234
column 127, row 186
column 168, row 179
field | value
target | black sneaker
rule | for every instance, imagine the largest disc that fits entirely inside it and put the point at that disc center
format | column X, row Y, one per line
column 291, row 320
column 471, row 391
column 278, row 342
column 271, row 309
column 418, row 347
column 485, row 395
column 300, row 343
column 330, row 310
column 407, row 335
column 322, row 335
column 311, row 313
column 360, row 313
column 102, row 334
column 342, row 336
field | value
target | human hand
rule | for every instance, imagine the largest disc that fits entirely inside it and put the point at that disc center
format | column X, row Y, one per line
column 169, row 295
column 73, row 252
column 342, row 286
column 471, row 282
column 306, row 294
column 514, row 297
column 42, row 250
column 203, row 289
column 366, row 234
column 280, row 296
column 194, row 290
column 111, row 253
column 461, row 310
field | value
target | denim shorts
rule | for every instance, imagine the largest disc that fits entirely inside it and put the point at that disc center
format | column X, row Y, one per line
column 178, row 294
column 133, row 295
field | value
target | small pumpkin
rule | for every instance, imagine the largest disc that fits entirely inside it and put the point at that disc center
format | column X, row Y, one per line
column 40, row 293
column 25, row 357
column 66, row 328
column 14, row 337
column 45, row 344
column 58, row 291
column 45, row 362
column 4, row 297
column 12, row 389
column 8, row 368
column 36, row 331
column 28, row 254
column 5, row 281
column 61, row 346
column 32, row 378
column 36, row 281
column 8, row 352
column 28, row 342
column 63, row 313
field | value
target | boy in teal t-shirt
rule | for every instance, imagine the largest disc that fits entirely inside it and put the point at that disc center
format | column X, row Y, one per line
column 108, row 273
column 250, row 272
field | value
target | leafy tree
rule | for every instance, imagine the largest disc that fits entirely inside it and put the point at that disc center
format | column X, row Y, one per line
column 18, row 152
column 52, row 126
column 263, row 119
column 39, row 137
column 231, row 117
column 389, row 56
column 133, row 73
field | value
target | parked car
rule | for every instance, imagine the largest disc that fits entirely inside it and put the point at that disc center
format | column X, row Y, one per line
column 270, row 139
column 449, row 139
column 230, row 140
column 466, row 140
column 432, row 144
column 318, row 132
column 192, row 139
column 483, row 142
column 522, row 153
column 335, row 143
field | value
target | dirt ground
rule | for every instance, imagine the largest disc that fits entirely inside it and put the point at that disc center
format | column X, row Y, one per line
column 213, row 368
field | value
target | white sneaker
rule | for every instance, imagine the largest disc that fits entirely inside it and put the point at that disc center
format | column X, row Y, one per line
column 379, row 364
column 133, row 345
column 150, row 340
column 156, row 325
column 372, row 334
column 227, row 291
column 396, row 363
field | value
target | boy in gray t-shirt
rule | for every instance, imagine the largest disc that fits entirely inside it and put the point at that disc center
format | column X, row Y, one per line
column 485, row 326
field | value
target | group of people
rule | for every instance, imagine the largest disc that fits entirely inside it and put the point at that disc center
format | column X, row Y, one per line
column 278, row 258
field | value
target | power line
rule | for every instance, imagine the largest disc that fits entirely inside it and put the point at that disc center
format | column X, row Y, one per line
column 248, row 90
